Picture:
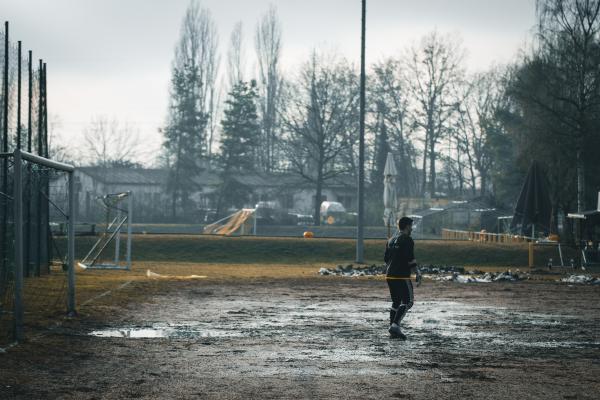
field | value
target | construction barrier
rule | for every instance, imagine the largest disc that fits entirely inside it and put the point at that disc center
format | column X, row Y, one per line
column 483, row 236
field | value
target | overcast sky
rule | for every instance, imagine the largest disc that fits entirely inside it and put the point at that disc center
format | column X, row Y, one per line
column 113, row 57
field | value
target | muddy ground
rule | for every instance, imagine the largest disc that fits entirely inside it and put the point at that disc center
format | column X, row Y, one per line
column 318, row 337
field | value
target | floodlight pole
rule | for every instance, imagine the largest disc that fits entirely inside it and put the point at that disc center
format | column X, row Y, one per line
column 361, row 146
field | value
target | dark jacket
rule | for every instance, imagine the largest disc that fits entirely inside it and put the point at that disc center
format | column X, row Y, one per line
column 399, row 251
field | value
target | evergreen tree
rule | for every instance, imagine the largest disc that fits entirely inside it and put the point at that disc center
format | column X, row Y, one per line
column 183, row 140
column 189, row 128
column 239, row 143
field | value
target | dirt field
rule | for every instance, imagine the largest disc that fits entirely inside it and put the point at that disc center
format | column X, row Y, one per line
column 285, row 332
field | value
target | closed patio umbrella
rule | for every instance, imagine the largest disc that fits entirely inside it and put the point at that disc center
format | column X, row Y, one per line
column 389, row 192
column 533, row 208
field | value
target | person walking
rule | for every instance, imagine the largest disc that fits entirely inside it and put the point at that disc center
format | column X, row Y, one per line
column 400, row 261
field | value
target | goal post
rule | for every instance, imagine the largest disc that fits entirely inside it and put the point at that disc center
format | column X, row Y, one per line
column 20, row 240
column 118, row 222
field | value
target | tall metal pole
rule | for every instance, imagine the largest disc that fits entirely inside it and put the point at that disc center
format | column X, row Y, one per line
column 30, row 102
column 46, row 181
column 27, row 202
column 18, row 224
column 4, row 171
column 37, row 185
column 71, row 248
column 19, row 95
column 40, row 109
column 361, row 146
column 5, row 94
column 45, row 141
column 129, row 227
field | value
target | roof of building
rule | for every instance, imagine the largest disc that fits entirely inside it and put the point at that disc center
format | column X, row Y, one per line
column 121, row 175
column 208, row 178
column 149, row 176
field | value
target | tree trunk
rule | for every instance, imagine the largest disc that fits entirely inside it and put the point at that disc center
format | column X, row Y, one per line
column 317, row 214
column 176, row 183
column 580, row 182
column 483, row 184
column 424, row 177
column 432, row 166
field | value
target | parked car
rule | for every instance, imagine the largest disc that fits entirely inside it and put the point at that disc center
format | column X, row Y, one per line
column 333, row 213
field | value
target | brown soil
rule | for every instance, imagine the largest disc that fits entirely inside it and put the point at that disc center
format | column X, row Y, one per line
column 249, row 331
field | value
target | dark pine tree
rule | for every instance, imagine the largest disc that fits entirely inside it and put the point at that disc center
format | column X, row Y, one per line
column 239, row 144
column 183, row 136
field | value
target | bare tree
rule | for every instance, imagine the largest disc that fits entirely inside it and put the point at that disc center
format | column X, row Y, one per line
column 320, row 112
column 436, row 70
column 268, row 51
column 569, row 32
column 236, row 56
column 477, row 118
column 390, row 97
column 198, row 49
column 110, row 142
column 57, row 149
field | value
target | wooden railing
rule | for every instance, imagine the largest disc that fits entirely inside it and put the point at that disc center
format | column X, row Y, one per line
column 483, row 236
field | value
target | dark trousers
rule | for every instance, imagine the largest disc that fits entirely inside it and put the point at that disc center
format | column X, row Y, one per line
column 401, row 291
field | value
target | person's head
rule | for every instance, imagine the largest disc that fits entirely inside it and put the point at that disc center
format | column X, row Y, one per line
column 405, row 225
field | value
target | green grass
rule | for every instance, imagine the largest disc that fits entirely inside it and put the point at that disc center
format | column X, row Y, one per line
column 267, row 250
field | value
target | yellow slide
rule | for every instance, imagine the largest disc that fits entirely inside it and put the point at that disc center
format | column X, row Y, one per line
column 231, row 224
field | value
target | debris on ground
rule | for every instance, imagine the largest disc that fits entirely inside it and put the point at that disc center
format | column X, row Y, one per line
column 350, row 270
column 471, row 277
column 447, row 273
column 154, row 275
column 433, row 272
column 443, row 269
column 585, row 279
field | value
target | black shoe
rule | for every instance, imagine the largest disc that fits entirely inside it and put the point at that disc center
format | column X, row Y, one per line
column 396, row 333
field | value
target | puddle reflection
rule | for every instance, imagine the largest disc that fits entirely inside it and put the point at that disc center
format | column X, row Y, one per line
column 458, row 325
column 158, row 331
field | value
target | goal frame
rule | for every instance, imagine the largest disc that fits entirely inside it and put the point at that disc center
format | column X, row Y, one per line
column 91, row 258
column 18, row 157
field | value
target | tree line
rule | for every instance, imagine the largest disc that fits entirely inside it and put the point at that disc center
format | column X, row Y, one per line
column 454, row 133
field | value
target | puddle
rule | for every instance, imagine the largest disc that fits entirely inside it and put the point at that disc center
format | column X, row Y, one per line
column 338, row 331
column 162, row 331
column 135, row 333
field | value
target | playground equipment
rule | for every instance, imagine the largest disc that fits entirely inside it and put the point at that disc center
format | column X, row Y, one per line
column 238, row 221
column 115, row 217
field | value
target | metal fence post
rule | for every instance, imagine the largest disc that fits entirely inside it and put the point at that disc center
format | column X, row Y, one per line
column 18, row 240
column 4, row 170
column 19, row 94
column 30, row 100
column 129, row 227
column 71, row 248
